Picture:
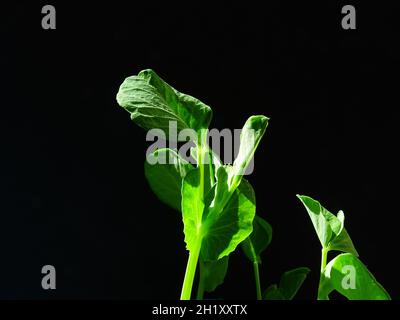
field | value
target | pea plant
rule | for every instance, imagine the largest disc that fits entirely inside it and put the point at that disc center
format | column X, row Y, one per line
column 218, row 206
column 345, row 273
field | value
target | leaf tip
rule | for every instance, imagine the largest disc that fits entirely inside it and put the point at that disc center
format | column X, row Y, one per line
column 305, row 270
column 146, row 72
column 301, row 197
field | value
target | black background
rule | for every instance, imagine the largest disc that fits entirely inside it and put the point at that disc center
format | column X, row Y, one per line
column 73, row 192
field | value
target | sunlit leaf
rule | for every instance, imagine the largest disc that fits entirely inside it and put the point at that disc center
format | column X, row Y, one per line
column 250, row 136
column 329, row 228
column 153, row 103
column 224, row 230
column 350, row 277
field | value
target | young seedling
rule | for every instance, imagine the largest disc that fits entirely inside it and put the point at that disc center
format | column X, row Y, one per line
column 345, row 273
column 217, row 204
column 253, row 246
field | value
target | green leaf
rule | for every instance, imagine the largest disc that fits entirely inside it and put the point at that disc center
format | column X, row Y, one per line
column 213, row 234
column 330, row 228
column 250, row 136
column 258, row 240
column 222, row 193
column 342, row 242
column 153, row 104
column 273, row 293
column 224, row 231
column 219, row 231
column 166, row 175
column 213, row 273
column 292, row 280
column 350, row 277
column 290, row 283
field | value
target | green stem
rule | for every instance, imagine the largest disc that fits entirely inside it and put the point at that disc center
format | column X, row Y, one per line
column 200, row 288
column 257, row 279
column 195, row 250
column 211, row 165
column 324, row 255
column 190, row 271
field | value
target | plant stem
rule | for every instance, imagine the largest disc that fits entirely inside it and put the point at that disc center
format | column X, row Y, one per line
column 257, row 279
column 324, row 254
column 195, row 250
column 190, row 271
column 200, row 288
column 211, row 165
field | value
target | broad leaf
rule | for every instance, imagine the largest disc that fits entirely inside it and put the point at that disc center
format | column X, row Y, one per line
column 330, row 228
column 258, row 240
column 290, row 283
column 213, row 273
column 165, row 177
column 350, row 277
column 252, row 132
column 153, row 104
column 219, row 231
column 224, row 230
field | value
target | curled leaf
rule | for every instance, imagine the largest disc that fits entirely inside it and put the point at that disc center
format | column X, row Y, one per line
column 252, row 132
column 153, row 103
column 329, row 228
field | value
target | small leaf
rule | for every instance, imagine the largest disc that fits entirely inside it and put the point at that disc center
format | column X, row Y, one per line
column 330, row 229
column 252, row 132
column 273, row 293
column 292, row 280
column 224, row 230
column 318, row 216
column 222, row 193
column 213, row 273
column 258, row 240
column 153, row 104
column 165, row 177
column 290, row 283
column 343, row 243
column 350, row 277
